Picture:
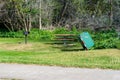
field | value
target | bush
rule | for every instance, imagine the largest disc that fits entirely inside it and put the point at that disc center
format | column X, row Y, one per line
column 36, row 34
column 61, row 31
column 12, row 34
column 102, row 39
column 106, row 39
column 66, row 31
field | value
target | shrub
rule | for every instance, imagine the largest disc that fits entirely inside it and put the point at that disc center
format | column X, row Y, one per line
column 102, row 39
column 106, row 39
column 61, row 31
column 36, row 34
column 12, row 34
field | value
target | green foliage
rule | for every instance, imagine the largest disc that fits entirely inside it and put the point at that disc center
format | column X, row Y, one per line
column 75, row 31
column 12, row 34
column 61, row 31
column 36, row 34
column 102, row 40
column 66, row 31
column 118, row 44
column 106, row 39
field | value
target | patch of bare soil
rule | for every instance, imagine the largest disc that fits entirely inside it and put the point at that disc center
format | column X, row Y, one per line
column 18, row 47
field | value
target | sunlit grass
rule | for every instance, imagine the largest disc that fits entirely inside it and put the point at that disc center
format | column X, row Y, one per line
column 41, row 53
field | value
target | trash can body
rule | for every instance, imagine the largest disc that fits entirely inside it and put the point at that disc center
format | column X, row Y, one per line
column 87, row 40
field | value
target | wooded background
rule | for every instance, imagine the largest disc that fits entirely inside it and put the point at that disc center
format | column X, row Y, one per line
column 49, row 14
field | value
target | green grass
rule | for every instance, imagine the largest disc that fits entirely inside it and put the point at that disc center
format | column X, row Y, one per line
column 15, row 51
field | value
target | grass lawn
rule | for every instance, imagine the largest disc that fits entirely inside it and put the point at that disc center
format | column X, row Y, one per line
column 15, row 51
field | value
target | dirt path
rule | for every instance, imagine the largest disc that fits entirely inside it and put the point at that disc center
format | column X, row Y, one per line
column 34, row 72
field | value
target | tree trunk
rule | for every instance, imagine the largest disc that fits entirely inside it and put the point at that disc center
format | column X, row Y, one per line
column 40, row 24
column 111, row 13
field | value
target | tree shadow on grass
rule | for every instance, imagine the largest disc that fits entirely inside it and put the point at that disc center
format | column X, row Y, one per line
column 66, row 48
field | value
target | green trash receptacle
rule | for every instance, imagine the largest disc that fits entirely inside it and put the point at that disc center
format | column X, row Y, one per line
column 86, row 40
